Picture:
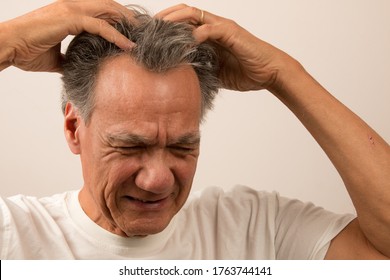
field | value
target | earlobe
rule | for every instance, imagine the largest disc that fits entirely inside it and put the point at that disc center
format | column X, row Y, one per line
column 72, row 123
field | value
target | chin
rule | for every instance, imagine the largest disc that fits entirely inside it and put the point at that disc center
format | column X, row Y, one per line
column 145, row 228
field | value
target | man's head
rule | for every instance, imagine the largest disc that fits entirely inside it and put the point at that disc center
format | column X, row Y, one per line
column 134, row 119
column 160, row 46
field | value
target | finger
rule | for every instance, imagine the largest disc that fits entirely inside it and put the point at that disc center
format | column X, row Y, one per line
column 105, row 30
column 209, row 26
column 58, row 59
column 188, row 14
column 57, row 65
column 107, row 9
column 204, row 33
column 112, row 12
column 97, row 17
column 123, row 11
column 213, row 32
column 59, row 68
column 169, row 10
column 192, row 15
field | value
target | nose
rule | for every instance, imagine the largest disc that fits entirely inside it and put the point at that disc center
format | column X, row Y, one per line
column 155, row 175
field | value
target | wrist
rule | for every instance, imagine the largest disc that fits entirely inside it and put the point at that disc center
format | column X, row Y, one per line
column 7, row 52
column 286, row 76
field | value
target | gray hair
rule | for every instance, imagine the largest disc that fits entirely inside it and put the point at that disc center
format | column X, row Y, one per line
column 160, row 46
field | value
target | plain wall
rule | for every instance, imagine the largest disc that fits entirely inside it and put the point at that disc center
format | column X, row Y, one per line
column 250, row 138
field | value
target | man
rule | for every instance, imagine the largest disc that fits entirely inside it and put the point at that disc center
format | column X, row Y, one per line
column 136, row 130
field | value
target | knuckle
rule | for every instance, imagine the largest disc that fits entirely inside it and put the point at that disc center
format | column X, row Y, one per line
column 182, row 6
column 103, row 24
column 231, row 23
column 194, row 10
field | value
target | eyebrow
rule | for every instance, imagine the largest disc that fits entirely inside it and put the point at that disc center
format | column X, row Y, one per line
column 191, row 138
column 126, row 138
column 187, row 139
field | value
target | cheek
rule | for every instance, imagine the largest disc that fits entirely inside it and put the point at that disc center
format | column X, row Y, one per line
column 185, row 172
column 184, row 176
column 108, row 173
column 119, row 172
column 112, row 180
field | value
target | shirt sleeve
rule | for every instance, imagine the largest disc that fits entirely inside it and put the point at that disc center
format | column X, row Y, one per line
column 304, row 231
column 4, row 229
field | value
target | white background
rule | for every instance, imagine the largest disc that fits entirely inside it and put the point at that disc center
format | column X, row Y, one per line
column 250, row 138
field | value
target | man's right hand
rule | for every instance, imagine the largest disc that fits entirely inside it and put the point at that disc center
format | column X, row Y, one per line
column 33, row 42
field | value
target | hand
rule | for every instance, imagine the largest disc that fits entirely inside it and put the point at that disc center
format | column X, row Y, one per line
column 35, row 38
column 247, row 63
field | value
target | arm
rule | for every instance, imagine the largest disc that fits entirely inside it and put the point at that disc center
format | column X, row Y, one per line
column 360, row 155
column 32, row 42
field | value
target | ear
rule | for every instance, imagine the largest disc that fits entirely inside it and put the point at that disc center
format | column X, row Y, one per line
column 72, row 124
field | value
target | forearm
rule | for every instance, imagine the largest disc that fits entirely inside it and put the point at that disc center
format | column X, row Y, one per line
column 360, row 155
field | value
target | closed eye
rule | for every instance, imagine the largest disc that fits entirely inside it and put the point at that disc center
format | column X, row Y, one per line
column 130, row 149
column 183, row 150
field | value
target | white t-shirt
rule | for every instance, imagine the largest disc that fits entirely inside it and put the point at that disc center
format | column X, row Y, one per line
column 214, row 224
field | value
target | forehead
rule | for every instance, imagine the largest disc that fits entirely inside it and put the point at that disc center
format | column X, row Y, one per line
column 121, row 77
column 127, row 93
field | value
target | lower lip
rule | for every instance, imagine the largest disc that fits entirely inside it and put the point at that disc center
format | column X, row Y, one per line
column 149, row 206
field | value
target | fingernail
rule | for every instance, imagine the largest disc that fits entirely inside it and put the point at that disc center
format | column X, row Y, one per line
column 130, row 45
